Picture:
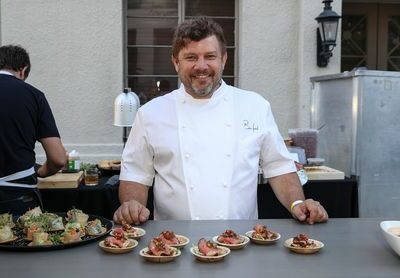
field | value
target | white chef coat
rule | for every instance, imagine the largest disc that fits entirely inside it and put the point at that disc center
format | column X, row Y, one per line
column 205, row 153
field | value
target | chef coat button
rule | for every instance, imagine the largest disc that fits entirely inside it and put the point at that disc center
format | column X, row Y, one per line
column 183, row 101
column 225, row 98
column 225, row 184
column 187, row 156
column 191, row 187
column 197, row 218
column 228, row 124
column 228, row 155
column 183, row 126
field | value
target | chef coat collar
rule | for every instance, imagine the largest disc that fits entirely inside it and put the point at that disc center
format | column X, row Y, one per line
column 6, row 72
column 219, row 93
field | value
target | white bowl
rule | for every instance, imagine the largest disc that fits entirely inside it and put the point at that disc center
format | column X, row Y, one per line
column 391, row 238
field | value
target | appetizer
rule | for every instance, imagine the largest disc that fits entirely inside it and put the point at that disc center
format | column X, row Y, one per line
column 302, row 241
column 209, row 248
column 230, row 237
column 31, row 229
column 132, row 232
column 76, row 215
column 53, row 222
column 6, row 234
column 158, row 247
column 118, row 240
column 75, row 226
column 114, row 242
column 40, row 238
column 71, row 235
column 261, row 232
column 6, row 220
column 28, row 217
column 94, row 228
column 169, row 237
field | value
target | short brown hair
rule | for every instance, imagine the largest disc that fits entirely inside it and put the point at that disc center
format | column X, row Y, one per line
column 196, row 29
column 14, row 57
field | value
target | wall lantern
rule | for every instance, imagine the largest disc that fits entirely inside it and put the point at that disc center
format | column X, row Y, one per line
column 328, row 22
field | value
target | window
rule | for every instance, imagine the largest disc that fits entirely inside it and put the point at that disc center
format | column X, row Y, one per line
column 149, row 30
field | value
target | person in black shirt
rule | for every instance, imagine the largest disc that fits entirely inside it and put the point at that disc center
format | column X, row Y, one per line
column 25, row 117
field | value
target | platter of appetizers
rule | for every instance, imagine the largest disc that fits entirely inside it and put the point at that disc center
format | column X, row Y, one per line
column 209, row 251
column 261, row 235
column 36, row 230
column 231, row 240
column 302, row 244
column 158, row 251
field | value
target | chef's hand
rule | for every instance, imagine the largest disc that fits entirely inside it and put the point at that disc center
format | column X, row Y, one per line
column 310, row 211
column 132, row 212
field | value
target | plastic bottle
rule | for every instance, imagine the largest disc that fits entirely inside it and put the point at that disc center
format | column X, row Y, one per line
column 74, row 162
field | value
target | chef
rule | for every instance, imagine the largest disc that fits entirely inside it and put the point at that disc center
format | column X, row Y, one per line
column 203, row 144
column 26, row 117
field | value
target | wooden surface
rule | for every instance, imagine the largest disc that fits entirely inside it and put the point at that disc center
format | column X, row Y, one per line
column 323, row 173
column 61, row 180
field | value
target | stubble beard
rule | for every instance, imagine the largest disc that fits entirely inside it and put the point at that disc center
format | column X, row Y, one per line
column 204, row 92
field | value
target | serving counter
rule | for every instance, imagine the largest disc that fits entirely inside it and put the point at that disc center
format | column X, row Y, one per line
column 353, row 248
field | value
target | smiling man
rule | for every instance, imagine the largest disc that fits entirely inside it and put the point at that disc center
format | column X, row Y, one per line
column 202, row 144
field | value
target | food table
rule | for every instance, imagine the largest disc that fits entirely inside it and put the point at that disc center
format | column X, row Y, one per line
column 103, row 199
column 353, row 248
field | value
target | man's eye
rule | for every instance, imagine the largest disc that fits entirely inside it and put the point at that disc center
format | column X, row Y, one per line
column 211, row 57
column 190, row 59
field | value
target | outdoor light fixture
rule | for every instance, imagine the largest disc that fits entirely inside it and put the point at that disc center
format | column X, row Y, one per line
column 125, row 107
column 328, row 22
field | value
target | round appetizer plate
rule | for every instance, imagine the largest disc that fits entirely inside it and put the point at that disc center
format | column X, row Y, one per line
column 132, row 244
column 262, row 241
column 302, row 250
column 182, row 241
column 233, row 246
column 159, row 259
column 9, row 240
column 137, row 235
column 209, row 259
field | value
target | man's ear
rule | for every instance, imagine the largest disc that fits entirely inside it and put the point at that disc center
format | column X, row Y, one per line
column 23, row 73
column 175, row 61
column 224, row 58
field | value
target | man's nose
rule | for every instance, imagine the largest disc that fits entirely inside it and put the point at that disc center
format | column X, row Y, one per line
column 201, row 63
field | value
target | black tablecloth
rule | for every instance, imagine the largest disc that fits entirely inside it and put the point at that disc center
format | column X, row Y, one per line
column 100, row 200
column 339, row 197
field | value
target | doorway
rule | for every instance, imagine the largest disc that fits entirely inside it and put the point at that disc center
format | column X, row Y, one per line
column 370, row 36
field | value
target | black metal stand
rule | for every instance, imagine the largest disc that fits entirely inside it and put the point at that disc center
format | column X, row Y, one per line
column 125, row 134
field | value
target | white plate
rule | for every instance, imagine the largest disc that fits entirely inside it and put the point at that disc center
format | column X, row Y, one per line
column 302, row 250
column 159, row 259
column 233, row 246
column 263, row 241
column 132, row 244
column 140, row 232
column 390, row 234
column 195, row 251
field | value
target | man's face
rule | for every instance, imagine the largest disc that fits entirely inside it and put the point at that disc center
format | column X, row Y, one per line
column 200, row 65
